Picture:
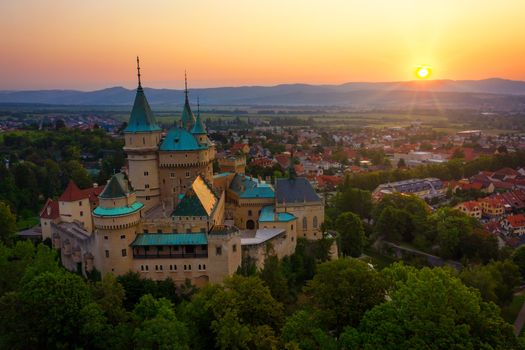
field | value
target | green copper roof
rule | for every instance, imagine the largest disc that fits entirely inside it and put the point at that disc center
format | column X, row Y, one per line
column 179, row 139
column 250, row 187
column 198, row 127
column 187, row 117
column 268, row 215
column 118, row 186
column 158, row 239
column 99, row 211
column 142, row 118
column 190, row 206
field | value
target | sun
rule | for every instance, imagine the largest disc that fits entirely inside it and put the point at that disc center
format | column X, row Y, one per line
column 423, row 72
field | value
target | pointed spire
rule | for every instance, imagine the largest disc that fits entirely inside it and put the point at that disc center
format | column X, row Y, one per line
column 185, row 85
column 138, row 71
column 187, row 118
column 198, row 127
column 291, row 169
column 141, row 118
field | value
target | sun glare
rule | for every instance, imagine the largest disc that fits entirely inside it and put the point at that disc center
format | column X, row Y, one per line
column 423, row 72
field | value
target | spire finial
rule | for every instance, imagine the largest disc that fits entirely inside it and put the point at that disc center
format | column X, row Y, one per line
column 138, row 70
column 185, row 84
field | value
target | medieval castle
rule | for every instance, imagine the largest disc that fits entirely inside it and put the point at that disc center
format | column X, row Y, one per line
column 169, row 215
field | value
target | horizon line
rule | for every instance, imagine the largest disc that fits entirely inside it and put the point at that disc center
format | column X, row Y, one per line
column 418, row 81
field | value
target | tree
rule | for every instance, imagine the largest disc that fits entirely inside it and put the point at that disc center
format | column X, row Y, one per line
column 395, row 225
column 401, row 163
column 76, row 172
column 273, row 277
column 241, row 313
column 305, row 330
column 45, row 260
column 135, row 287
column 7, row 224
column 109, row 295
column 46, row 313
column 351, row 234
column 434, row 310
column 452, row 228
column 355, row 200
column 343, row 290
column 519, row 259
column 159, row 328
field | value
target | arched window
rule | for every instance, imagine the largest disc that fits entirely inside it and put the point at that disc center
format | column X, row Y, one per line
column 315, row 222
column 305, row 223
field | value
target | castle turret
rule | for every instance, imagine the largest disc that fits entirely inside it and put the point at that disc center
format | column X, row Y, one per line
column 198, row 129
column 142, row 136
column 116, row 220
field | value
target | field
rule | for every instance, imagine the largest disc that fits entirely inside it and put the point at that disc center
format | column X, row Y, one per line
column 449, row 121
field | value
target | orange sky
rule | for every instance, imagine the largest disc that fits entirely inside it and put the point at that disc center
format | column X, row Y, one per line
column 92, row 44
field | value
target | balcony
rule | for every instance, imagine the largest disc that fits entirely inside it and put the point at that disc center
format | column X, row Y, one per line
column 171, row 256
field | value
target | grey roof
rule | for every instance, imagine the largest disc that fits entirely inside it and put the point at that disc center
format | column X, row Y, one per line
column 295, row 190
column 262, row 235
column 118, row 186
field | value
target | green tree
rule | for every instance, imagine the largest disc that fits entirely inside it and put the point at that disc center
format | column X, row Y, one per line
column 7, row 224
column 76, row 172
column 109, row 295
column 519, row 259
column 343, row 290
column 241, row 314
column 274, row 278
column 351, row 234
column 46, row 313
column 305, row 330
column 159, row 328
column 434, row 310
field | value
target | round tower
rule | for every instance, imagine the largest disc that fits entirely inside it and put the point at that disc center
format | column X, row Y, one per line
column 141, row 140
column 116, row 220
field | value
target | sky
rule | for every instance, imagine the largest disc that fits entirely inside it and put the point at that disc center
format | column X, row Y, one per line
column 88, row 45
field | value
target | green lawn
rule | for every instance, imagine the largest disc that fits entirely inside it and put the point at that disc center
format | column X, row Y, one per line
column 376, row 259
column 24, row 224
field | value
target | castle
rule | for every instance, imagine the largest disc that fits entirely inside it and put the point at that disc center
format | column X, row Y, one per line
column 169, row 215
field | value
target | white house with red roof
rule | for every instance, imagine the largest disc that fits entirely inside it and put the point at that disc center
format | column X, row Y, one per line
column 514, row 224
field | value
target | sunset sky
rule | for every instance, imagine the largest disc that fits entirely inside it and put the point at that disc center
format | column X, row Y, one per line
column 93, row 44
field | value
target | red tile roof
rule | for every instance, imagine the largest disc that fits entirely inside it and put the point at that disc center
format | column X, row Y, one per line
column 73, row 193
column 238, row 147
column 471, row 205
column 516, row 220
column 507, row 171
column 470, row 186
column 332, row 180
column 50, row 210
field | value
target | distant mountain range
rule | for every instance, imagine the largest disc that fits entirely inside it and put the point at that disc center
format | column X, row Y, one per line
column 496, row 93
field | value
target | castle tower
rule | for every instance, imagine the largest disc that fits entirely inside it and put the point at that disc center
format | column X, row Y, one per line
column 116, row 220
column 142, row 136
